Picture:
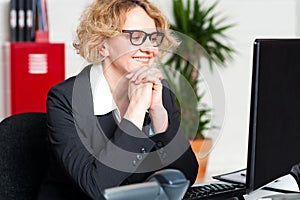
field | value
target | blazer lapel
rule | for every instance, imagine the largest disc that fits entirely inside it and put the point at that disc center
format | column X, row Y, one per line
column 87, row 125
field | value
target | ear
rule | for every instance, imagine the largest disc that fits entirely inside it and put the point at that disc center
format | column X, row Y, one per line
column 103, row 49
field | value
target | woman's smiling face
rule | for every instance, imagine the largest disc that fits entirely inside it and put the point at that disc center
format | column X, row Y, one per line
column 124, row 56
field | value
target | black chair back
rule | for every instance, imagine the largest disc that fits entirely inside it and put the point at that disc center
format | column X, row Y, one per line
column 23, row 155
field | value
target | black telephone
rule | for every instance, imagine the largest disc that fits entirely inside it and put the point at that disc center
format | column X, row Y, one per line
column 167, row 184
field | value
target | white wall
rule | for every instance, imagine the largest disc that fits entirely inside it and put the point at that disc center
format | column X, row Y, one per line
column 4, row 36
column 253, row 18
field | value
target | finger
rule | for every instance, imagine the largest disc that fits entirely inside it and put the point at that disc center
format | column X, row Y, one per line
column 145, row 68
column 157, row 85
column 138, row 72
column 150, row 75
column 159, row 75
column 154, row 78
column 134, row 88
column 129, row 75
column 147, row 79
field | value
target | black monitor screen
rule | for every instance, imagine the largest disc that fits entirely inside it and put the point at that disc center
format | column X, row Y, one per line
column 274, row 137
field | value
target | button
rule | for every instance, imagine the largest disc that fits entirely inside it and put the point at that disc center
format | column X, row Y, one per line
column 139, row 157
column 143, row 150
column 161, row 150
column 159, row 144
column 134, row 162
column 164, row 156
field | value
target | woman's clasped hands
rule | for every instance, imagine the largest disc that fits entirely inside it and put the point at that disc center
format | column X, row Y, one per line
column 145, row 88
column 145, row 94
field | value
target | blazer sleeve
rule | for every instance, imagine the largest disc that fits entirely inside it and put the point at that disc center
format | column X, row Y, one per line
column 91, row 173
column 172, row 146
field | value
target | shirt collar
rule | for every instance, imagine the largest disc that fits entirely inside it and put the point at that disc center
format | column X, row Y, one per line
column 102, row 97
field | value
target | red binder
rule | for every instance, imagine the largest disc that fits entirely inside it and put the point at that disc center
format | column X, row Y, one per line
column 34, row 69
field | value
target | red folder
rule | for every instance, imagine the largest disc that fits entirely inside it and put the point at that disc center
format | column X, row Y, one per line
column 34, row 69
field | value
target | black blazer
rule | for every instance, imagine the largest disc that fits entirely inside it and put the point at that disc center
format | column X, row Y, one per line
column 90, row 153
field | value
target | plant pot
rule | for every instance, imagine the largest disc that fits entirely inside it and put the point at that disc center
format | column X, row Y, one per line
column 201, row 148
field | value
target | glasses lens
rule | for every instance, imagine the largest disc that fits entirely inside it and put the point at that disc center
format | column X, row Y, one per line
column 138, row 37
column 156, row 38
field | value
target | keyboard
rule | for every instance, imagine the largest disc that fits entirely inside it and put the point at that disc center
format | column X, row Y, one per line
column 215, row 191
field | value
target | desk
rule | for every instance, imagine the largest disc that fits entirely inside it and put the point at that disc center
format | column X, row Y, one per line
column 286, row 182
column 279, row 186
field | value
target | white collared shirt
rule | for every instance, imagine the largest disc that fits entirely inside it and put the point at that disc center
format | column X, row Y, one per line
column 103, row 100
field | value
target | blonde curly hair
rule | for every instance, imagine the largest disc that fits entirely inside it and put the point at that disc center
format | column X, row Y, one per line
column 105, row 18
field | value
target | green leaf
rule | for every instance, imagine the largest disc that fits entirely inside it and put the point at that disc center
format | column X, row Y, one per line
column 207, row 27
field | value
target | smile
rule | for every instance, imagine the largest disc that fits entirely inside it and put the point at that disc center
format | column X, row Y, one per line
column 142, row 59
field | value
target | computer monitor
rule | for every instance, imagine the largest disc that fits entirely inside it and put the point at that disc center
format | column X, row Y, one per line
column 274, row 131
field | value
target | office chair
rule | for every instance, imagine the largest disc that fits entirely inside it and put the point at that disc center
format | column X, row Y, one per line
column 23, row 155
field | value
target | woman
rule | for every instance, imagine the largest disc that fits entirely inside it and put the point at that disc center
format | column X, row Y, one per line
column 116, row 122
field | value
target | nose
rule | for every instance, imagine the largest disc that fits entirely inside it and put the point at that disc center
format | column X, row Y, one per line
column 149, row 50
column 148, row 46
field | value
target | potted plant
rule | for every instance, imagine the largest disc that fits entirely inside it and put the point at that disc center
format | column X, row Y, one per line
column 194, row 25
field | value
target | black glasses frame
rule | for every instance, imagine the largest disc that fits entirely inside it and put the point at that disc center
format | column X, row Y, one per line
column 150, row 35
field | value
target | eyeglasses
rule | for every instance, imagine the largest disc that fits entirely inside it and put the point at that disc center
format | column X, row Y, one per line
column 138, row 37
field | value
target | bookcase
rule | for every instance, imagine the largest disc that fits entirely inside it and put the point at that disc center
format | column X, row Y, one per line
column 33, row 68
